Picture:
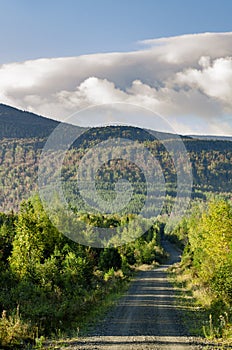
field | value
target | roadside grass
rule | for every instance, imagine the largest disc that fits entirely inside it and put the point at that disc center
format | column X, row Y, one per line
column 198, row 305
column 14, row 331
column 97, row 313
column 193, row 314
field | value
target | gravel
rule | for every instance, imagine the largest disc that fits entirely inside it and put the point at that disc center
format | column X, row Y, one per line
column 146, row 317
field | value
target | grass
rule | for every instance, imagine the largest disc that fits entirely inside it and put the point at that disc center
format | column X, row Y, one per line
column 193, row 315
column 14, row 332
column 97, row 313
column 200, row 309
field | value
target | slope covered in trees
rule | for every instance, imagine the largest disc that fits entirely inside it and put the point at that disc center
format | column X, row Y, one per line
column 15, row 123
column 23, row 136
column 52, row 282
column 211, row 163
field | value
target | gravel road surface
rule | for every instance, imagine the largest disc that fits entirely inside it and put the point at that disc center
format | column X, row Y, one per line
column 147, row 317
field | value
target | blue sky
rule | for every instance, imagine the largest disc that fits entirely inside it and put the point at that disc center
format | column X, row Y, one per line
column 54, row 28
column 173, row 57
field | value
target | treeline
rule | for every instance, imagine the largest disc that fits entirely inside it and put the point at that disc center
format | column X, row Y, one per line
column 50, row 284
column 206, row 235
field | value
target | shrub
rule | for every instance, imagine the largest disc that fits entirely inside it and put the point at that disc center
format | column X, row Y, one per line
column 13, row 331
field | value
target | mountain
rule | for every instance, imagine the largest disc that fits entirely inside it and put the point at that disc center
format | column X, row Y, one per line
column 23, row 135
column 211, row 137
column 15, row 123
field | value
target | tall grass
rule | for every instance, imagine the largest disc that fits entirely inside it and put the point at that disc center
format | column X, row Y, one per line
column 15, row 332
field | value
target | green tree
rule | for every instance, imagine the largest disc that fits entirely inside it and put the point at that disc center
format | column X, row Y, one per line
column 34, row 240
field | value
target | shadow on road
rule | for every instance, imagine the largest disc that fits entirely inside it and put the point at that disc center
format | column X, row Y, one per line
column 149, row 316
column 149, row 308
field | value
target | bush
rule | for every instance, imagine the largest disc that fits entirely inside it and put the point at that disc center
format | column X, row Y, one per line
column 15, row 332
column 56, row 281
column 110, row 258
column 222, row 282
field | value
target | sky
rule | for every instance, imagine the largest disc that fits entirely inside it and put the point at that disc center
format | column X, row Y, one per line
column 173, row 57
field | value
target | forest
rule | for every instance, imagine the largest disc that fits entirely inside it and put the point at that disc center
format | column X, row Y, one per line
column 19, row 161
column 52, row 285
column 23, row 136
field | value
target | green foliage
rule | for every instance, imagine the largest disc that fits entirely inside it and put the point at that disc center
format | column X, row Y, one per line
column 7, row 232
column 21, row 148
column 210, row 240
column 222, row 282
column 179, row 233
column 35, row 238
column 220, row 328
column 56, row 281
column 110, row 258
column 208, row 259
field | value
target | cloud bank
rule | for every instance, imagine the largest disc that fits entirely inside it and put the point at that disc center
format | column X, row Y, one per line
column 188, row 79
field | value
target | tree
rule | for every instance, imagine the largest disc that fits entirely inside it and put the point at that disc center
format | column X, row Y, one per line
column 35, row 239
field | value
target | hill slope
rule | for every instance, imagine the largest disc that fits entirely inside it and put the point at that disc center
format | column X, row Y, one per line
column 15, row 123
column 23, row 135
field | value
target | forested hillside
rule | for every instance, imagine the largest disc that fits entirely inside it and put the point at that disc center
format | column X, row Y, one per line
column 15, row 123
column 19, row 158
column 52, row 284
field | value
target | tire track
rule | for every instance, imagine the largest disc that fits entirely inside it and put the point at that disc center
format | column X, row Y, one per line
column 147, row 317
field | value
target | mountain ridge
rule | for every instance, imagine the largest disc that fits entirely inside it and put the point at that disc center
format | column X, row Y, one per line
column 21, row 144
column 13, row 119
column 16, row 123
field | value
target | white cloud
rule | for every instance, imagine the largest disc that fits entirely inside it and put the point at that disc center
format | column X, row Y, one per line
column 97, row 91
column 214, row 79
column 180, row 77
column 187, row 49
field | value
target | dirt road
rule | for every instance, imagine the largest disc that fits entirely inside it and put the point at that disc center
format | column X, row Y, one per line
column 145, row 318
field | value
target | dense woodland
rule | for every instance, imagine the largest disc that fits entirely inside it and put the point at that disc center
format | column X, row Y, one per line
column 21, row 147
column 211, row 165
column 52, row 284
